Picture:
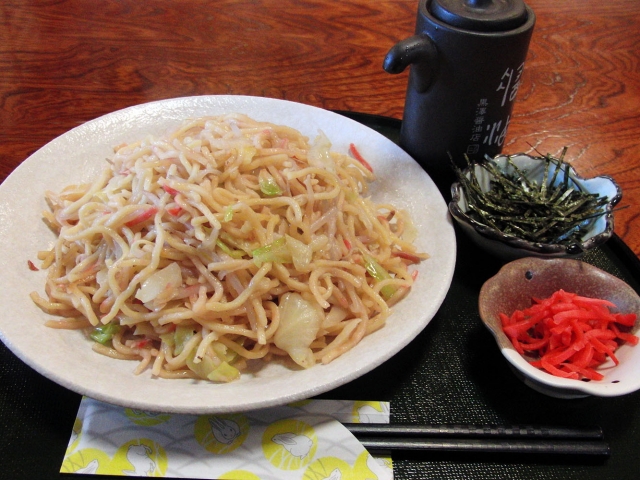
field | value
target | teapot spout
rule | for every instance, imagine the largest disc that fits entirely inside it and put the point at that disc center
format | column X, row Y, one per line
column 418, row 51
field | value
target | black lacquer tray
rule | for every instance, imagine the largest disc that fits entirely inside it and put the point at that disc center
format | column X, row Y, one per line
column 453, row 372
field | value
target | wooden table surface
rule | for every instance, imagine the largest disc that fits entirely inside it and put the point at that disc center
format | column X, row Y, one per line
column 64, row 62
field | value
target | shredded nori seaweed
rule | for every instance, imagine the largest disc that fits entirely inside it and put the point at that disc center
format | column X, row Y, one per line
column 556, row 210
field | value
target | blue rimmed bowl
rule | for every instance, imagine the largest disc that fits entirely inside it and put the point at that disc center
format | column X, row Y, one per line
column 510, row 247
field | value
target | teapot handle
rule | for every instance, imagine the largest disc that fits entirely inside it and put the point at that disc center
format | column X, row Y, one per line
column 418, row 51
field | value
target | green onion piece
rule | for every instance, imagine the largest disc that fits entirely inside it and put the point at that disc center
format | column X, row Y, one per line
column 379, row 273
column 229, row 251
column 269, row 187
column 104, row 333
column 181, row 337
column 276, row 252
column 168, row 339
column 212, row 367
column 237, row 243
column 228, row 214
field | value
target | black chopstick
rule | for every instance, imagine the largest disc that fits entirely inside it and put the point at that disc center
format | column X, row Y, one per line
column 571, row 447
column 378, row 437
column 475, row 431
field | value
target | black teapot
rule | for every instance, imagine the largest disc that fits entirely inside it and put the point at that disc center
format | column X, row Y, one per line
column 466, row 58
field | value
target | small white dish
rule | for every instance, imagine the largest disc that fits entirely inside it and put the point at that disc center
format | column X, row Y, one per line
column 509, row 247
column 66, row 356
column 517, row 282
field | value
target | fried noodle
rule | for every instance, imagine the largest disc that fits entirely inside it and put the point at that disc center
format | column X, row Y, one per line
column 226, row 241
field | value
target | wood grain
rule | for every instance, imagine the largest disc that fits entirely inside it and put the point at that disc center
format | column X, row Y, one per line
column 64, row 62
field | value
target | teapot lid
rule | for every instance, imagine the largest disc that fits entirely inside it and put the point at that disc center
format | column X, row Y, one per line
column 480, row 15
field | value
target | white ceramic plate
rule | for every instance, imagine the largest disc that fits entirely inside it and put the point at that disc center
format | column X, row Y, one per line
column 66, row 356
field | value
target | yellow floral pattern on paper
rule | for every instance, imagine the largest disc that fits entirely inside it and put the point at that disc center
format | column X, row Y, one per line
column 238, row 475
column 76, row 432
column 139, row 458
column 147, row 419
column 301, row 441
column 87, row 461
column 366, row 412
column 289, row 444
column 332, row 468
column 221, row 434
column 328, row 468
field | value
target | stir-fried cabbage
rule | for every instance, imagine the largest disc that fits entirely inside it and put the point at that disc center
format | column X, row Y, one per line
column 161, row 284
column 300, row 321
